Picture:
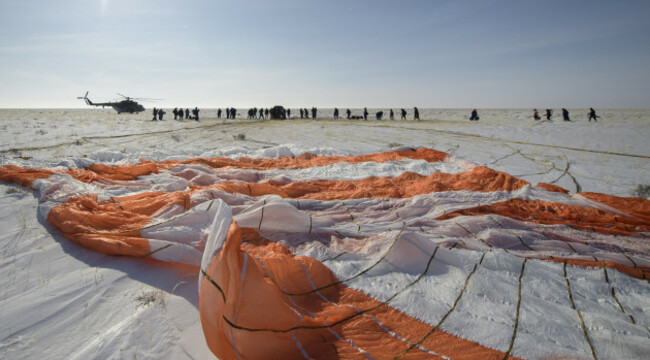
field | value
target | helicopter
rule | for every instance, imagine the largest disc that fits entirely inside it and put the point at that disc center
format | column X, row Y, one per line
column 128, row 105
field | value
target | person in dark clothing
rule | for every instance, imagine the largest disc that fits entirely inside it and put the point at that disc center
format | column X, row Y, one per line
column 565, row 114
column 348, row 113
column 218, row 113
column 266, row 113
column 549, row 113
column 379, row 115
column 336, row 113
column 302, row 113
column 536, row 114
column 306, row 113
column 365, row 113
column 187, row 113
column 161, row 112
column 403, row 114
column 416, row 114
column 391, row 115
column 313, row 112
column 288, row 113
column 262, row 114
column 155, row 114
column 474, row 116
column 196, row 113
column 592, row 115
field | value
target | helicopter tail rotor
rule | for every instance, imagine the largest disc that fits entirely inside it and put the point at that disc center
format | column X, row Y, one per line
column 85, row 97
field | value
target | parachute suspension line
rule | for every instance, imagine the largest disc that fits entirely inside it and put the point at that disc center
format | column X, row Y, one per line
column 582, row 321
column 448, row 312
column 514, row 332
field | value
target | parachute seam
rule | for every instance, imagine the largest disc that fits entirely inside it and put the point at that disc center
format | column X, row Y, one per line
column 359, row 313
column 573, row 305
column 353, row 277
column 259, row 226
column 514, row 333
column 159, row 249
column 205, row 274
column 613, row 292
column 448, row 312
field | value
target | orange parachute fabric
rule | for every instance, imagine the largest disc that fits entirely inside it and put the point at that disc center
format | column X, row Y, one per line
column 542, row 212
column 95, row 172
column 310, row 160
column 333, row 322
column 406, row 185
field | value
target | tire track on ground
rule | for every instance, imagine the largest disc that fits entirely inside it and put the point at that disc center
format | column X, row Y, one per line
column 490, row 138
column 116, row 136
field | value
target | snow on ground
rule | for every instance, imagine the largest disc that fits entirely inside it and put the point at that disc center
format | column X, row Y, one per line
column 58, row 300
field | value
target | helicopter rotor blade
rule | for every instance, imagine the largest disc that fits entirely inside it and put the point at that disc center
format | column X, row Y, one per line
column 138, row 98
column 147, row 99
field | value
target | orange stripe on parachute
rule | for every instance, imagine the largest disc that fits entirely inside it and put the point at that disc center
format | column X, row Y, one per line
column 406, row 185
column 542, row 212
column 309, row 160
column 258, row 320
column 112, row 226
column 23, row 176
column 95, row 172
column 636, row 272
column 635, row 206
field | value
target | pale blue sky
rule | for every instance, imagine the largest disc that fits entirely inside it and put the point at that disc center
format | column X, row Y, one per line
column 353, row 53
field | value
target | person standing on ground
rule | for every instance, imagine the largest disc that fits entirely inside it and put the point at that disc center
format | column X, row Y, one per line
column 549, row 113
column 592, row 115
column 474, row 116
column 536, row 114
column 155, row 114
column 565, row 114
column 336, row 113
column 416, row 114
column 403, row 114
column 348, row 113
column 365, row 113
column 392, row 114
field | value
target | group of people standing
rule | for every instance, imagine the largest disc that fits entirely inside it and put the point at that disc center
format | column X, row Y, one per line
column 254, row 113
column 378, row 115
column 549, row 113
column 178, row 114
